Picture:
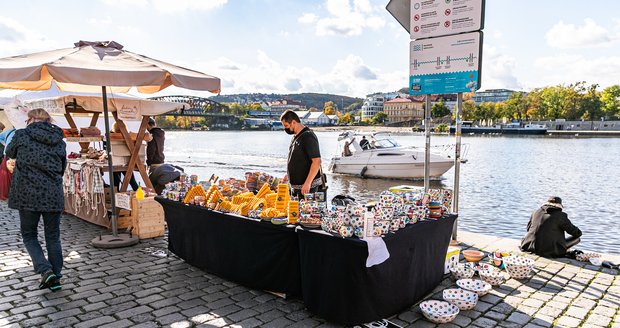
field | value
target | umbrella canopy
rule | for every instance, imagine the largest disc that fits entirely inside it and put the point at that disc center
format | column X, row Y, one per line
column 89, row 65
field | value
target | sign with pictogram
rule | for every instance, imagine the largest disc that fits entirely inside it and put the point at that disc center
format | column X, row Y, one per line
column 430, row 17
column 447, row 64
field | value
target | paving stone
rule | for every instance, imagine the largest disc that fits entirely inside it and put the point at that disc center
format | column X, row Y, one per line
column 599, row 320
column 166, row 310
column 278, row 323
column 519, row 318
column 568, row 322
column 484, row 322
column 170, row 318
column 576, row 312
column 64, row 314
column 497, row 316
column 247, row 313
column 119, row 324
column 95, row 322
column 133, row 311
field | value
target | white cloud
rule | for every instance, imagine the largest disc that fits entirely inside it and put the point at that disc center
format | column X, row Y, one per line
column 169, row 7
column 307, row 18
column 498, row 70
column 570, row 68
column 348, row 76
column 346, row 18
column 498, row 34
column 16, row 38
column 590, row 34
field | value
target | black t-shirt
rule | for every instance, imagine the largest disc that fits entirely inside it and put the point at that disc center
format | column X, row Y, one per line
column 303, row 148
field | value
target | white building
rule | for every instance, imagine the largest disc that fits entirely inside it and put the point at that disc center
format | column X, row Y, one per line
column 374, row 103
column 317, row 118
column 333, row 119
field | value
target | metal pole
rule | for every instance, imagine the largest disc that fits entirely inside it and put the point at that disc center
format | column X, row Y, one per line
column 457, row 162
column 109, row 153
column 427, row 148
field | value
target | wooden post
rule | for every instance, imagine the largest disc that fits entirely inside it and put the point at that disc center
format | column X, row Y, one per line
column 135, row 150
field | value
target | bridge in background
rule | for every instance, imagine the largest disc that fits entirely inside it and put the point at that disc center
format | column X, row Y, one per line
column 199, row 107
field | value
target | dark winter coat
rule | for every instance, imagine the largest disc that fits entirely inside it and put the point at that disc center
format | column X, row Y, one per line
column 545, row 232
column 41, row 158
column 155, row 147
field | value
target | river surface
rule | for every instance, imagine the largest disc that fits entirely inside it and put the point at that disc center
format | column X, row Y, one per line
column 504, row 180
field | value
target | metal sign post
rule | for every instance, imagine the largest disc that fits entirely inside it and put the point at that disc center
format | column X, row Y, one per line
column 427, row 149
column 457, row 161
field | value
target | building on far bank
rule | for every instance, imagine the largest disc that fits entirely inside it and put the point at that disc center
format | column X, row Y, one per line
column 374, row 103
column 282, row 105
column 493, row 95
column 399, row 110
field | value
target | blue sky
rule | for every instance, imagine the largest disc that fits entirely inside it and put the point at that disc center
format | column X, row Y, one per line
column 348, row 47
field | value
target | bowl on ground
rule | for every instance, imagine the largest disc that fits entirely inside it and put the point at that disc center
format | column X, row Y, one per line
column 462, row 298
column 518, row 267
column 439, row 311
column 492, row 276
column 472, row 255
column 461, row 271
column 475, row 285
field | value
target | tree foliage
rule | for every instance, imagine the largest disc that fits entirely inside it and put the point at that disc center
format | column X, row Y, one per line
column 440, row 109
column 379, row 118
column 329, row 108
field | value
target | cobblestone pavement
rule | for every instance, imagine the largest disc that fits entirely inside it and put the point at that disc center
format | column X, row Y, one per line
column 129, row 287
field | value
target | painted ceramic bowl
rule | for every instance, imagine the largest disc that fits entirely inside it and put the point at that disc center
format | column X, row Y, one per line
column 461, row 271
column 346, row 231
column 472, row 255
column 475, row 285
column 518, row 267
column 356, row 221
column 395, row 225
column 463, row 299
column 493, row 276
column 439, row 311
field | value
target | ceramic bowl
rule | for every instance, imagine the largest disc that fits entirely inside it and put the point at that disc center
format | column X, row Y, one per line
column 492, row 276
column 464, row 299
column 461, row 271
column 518, row 267
column 472, row 255
column 475, row 285
column 439, row 311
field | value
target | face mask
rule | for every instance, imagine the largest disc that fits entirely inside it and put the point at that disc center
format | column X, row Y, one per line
column 288, row 131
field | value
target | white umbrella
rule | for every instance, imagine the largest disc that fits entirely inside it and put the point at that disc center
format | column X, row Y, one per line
column 93, row 66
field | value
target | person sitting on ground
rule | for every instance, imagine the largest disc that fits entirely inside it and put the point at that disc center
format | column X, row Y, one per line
column 545, row 231
column 163, row 174
column 364, row 143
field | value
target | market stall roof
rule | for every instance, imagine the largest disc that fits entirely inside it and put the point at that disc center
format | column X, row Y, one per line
column 54, row 101
column 89, row 65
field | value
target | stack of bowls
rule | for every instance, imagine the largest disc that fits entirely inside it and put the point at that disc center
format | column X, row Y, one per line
column 439, row 311
column 463, row 299
column 475, row 285
column 518, row 267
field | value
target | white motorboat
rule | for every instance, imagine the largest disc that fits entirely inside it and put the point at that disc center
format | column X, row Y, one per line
column 383, row 157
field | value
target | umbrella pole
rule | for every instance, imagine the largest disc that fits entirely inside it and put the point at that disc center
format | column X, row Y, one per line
column 106, row 118
column 116, row 240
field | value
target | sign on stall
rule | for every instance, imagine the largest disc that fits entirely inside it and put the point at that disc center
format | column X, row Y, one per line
column 123, row 200
column 129, row 113
column 448, row 64
column 431, row 18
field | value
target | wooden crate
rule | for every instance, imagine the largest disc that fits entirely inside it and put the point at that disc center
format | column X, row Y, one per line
column 147, row 218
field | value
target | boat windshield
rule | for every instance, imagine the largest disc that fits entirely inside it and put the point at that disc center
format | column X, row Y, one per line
column 385, row 143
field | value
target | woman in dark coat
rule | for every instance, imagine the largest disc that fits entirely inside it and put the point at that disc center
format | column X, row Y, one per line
column 36, row 191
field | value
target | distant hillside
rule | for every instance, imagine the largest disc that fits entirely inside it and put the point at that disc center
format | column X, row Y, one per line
column 307, row 99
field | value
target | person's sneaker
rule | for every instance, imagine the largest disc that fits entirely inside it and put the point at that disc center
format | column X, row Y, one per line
column 48, row 278
column 55, row 285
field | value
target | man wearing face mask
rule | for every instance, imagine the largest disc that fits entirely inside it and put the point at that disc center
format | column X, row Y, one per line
column 304, row 156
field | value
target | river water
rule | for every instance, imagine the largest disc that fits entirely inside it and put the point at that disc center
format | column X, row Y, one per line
column 504, row 180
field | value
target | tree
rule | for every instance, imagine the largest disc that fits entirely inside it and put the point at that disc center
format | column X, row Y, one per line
column 516, row 106
column 379, row 118
column 353, row 107
column 345, row 118
column 469, row 108
column 313, row 109
column 610, row 101
column 329, row 108
column 439, row 109
column 590, row 106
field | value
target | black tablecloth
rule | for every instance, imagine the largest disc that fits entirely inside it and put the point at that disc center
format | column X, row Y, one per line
column 256, row 254
column 337, row 286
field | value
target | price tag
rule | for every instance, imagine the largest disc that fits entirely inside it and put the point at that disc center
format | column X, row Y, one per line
column 123, row 201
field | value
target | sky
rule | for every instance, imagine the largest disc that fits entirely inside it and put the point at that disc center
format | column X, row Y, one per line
column 345, row 47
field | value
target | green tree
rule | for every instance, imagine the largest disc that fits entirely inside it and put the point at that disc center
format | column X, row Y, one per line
column 516, row 106
column 440, row 109
column 610, row 101
column 590, row 106
column 469, row 109
column 442, row 128
column 379, row 118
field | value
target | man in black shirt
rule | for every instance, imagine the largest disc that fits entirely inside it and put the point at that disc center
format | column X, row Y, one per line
column 304, row 156
column 545, row 231
column 155, row 146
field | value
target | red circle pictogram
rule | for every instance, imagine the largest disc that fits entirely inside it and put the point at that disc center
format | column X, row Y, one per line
column 446, row 24
column 447, row 12
column 416, row 17
column 416, row 29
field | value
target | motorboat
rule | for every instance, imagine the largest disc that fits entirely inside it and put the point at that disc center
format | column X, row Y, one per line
column 380, row 156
